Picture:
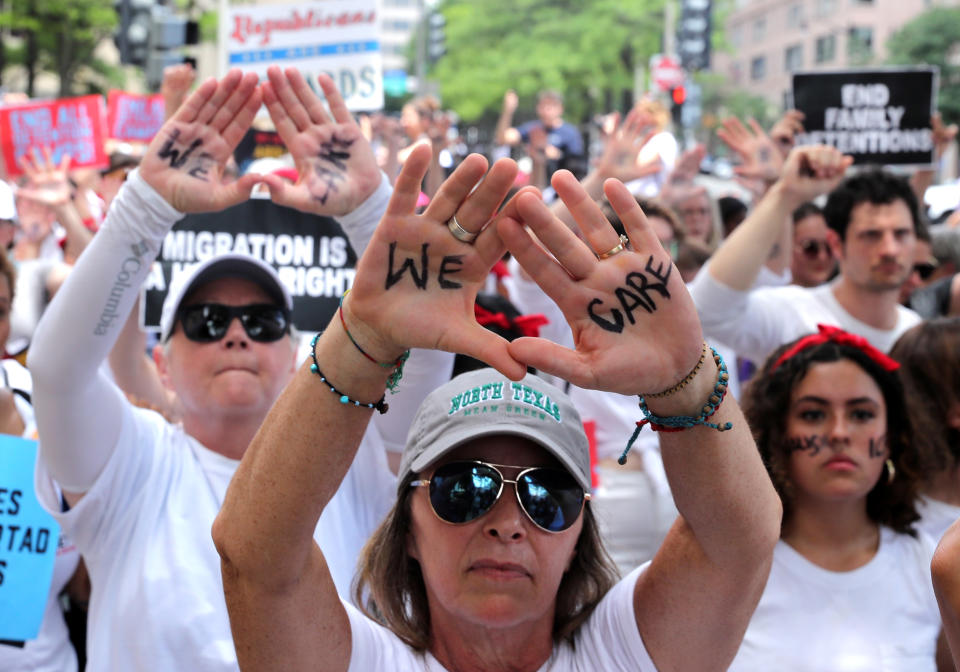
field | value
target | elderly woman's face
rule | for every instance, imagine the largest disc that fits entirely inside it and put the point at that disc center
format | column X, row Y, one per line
column 499, row 570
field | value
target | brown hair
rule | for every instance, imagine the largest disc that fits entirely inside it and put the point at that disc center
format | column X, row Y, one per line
column 929, row 355
column 9, row 270
column 765, row 403
column 651, row 208
column 389, row 586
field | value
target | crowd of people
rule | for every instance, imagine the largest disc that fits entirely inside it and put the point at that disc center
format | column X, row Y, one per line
column 518, row 444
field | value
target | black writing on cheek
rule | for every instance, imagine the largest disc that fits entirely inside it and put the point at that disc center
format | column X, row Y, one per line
column 176, row 158
column 419, row 279
column 812, row 444
column 877, row 448
column 450, row 264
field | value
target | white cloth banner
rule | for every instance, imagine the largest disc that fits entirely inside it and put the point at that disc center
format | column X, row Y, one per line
column 339, row 37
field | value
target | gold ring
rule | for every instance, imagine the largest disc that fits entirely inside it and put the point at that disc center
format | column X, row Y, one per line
column 619, row 247
column 459, row 232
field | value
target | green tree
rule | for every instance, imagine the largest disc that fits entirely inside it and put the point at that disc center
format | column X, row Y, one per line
column 59, row 36
column 587, row 49
column 933, row 38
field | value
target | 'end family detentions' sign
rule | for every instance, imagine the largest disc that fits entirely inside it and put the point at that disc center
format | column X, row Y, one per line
column 879, row 116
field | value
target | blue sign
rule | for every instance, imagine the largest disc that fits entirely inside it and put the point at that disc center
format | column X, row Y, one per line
column 28, row 543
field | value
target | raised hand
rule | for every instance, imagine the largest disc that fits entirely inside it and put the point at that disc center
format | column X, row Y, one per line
column 337, row 168
column 177, row 80
column 942, row 135
column 812, row 170
column 634, row 325
column 186, row 158
column 622, row 148
column 47, row 182
column 759, row 155
column 416, row 282
column 785, row 130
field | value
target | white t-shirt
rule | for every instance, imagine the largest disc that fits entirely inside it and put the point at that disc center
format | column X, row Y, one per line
column 936, row 516
column 664, row 146
column 757, row 322
column 881, row 617
column 608, row 640
column 144, row 531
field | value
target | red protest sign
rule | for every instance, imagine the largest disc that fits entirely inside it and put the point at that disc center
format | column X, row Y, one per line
column 73, row 126
column 132, row 117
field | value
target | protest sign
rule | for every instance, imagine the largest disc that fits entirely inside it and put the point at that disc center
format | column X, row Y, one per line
column 339, row 37
column 73, row 126
column 258, row 145
column 878, row 116
column 132, row 117
column 311, row 254
column 28, row 543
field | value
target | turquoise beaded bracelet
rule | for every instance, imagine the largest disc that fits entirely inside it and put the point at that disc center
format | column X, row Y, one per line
column 677, row 423
column 380, row 406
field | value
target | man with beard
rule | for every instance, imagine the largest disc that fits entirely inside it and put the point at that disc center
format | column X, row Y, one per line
column 873, row 220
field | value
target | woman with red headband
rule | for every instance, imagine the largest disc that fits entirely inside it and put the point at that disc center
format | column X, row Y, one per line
column 850, row 584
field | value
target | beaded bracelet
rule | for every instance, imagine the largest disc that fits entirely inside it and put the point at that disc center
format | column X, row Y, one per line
column 380, row 406
column 683, row 383
column 677, row 423
column 397, row 374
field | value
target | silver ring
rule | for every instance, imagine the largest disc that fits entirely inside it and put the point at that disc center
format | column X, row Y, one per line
column 619, row 247
column 459, row 232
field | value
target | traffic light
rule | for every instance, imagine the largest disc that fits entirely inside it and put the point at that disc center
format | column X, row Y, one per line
column 694, row 34
column 678, row 96
column 133, row 33
column 168, row 33
column 436, row 37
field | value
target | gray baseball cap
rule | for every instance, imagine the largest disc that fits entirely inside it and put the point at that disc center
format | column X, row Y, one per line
column 223, row 266
column 485, row 403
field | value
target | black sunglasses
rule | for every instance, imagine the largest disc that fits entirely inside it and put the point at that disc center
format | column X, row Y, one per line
column 811, row 248
column 464, row 491
column 209, row 322
column 924, row 270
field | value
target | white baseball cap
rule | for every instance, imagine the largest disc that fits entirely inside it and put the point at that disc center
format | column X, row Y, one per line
column 223, row 266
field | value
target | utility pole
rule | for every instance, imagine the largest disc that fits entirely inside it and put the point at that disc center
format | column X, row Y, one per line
column 421, row 66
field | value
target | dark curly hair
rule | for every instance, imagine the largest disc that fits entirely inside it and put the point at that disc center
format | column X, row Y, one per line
column 765, row 404
column 873, row 186
column 929, row 355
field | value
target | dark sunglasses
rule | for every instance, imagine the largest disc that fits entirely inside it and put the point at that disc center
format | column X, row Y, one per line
column 811, row 248
column 924, row 270
column 209, row 322
column 464, row 491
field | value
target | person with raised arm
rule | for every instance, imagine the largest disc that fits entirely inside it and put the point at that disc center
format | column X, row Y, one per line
column 143, row 493
column 489, row 559
column 873, row 219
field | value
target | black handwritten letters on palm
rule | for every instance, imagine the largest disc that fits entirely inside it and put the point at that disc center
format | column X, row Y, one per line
column 195, row 164
column 331, row 166
column 449, row 265
column 636, row 294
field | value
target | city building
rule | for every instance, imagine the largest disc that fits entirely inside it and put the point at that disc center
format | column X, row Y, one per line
column 770, row 39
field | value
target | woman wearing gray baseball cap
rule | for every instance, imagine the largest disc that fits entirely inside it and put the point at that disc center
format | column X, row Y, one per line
column 490, row 558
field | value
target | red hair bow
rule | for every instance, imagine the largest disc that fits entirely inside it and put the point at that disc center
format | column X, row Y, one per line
column 836, row 335
column 527, row 325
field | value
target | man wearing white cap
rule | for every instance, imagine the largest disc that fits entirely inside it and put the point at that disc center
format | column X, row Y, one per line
column 144, row 492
